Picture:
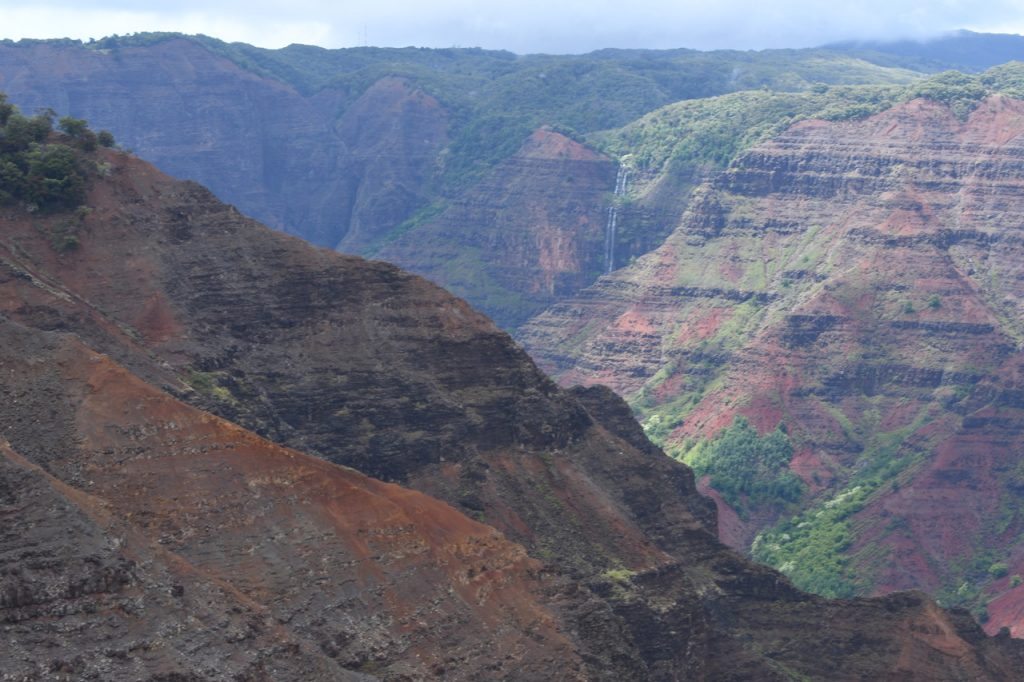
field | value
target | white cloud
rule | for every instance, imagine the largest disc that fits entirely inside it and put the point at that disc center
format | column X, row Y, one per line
column 56, row 22
column 522, row 26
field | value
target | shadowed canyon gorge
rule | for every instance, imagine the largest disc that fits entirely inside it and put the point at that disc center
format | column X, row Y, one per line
column 227, row 453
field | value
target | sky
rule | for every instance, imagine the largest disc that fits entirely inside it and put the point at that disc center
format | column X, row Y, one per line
column 523, row 26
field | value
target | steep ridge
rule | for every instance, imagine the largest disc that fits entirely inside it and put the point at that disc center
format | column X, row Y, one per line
column 423, row 383
column 363, row 364
column 858, row 283
column 535, row 224
column 320, row 570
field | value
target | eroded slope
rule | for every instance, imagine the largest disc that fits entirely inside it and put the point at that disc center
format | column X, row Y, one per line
column 310, row 570
column 859, row 283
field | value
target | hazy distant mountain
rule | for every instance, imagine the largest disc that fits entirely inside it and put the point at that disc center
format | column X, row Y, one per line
column 354, row 149
column 962, row 50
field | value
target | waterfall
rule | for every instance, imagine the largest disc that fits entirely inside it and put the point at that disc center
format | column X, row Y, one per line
column 621, row 178
column 609, row 239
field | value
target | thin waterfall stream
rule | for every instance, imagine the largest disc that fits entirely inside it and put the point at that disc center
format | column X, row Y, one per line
column 621, row 179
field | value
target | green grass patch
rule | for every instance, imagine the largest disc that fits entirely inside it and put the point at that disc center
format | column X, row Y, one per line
column 207, row 383
column 812, row 547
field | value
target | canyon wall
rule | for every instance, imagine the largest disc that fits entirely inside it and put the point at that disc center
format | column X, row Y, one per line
column 858, row 283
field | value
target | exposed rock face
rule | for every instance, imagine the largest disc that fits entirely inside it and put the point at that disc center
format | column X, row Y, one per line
column 86, row 596
column 860, row 283
column 304, row 164
column 217, row 553
column 536, row 225
column 394, row 133
column 592, row 556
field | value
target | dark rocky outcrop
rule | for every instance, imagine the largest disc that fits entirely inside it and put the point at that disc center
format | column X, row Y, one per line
column 182, row 544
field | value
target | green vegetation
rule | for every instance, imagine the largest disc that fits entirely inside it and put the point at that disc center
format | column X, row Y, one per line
column 998, row 570
column 1006, row 78
column 619, row 575
column 64, row 233
column 46, row 171
column 209, row 383
column 714, row 130
column 960, row 91
column 748, row 469
column 969, row 578
column 78, row 130
column 661, row 413
column 812, row 548
column 971, row 574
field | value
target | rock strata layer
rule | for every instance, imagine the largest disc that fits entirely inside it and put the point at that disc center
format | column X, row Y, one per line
column 860, row 283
